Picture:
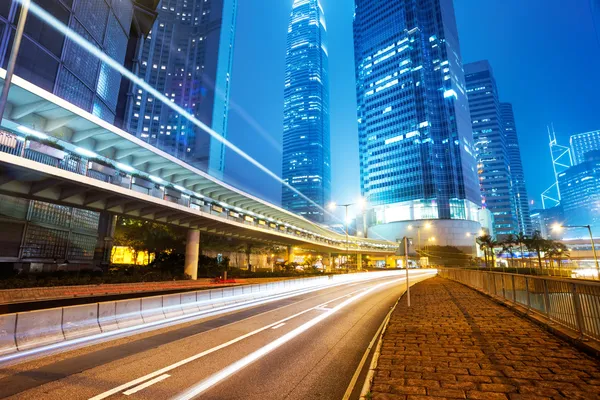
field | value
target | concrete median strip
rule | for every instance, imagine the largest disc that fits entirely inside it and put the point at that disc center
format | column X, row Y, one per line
column 39, row 332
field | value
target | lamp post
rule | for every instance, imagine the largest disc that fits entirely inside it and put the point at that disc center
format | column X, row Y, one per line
column 558, row 227
column 332, row 206
column 12, row 60
column 427, row 225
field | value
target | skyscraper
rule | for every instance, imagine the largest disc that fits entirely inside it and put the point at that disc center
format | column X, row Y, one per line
column 416, row 147
column 306, row 152
column 187, row 57
column 492, row 147
column 583, row 143
column 516, row 169
column 62, row 67
column 580, row 195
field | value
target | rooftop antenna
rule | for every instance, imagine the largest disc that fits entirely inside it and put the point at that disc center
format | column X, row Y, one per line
column 561, row 161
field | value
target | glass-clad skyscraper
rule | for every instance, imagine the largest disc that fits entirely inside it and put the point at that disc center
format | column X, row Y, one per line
column 583, row 143
column 306, row 153
column 516, row 169
column 491, row 144
column 62, row 67
column 187, row 57
column 416, row 146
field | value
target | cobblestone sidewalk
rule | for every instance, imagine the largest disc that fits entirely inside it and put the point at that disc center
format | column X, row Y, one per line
column 455, row 343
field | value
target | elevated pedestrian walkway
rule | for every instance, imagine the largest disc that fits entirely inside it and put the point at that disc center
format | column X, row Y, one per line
column 456, row 343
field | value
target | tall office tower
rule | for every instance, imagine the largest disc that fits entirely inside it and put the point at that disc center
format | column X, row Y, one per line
column 306, row 153
column 62, row 67
column 492, row 147
column 583, row 143
column 187, row 57
column 580, row 195
column 416, row 146
column 516, row 169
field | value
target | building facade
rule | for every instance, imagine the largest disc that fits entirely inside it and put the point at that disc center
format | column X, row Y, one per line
column 306, row 146
column 188, row 57
column 492, row 147
column 521, row 199
column 583, row 143
column 417, row 159
column 580, row 195
column 44, row 236
column 62, row 67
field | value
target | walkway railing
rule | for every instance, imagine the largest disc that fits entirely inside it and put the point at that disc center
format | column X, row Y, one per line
column 63, row 155
column 574, row 304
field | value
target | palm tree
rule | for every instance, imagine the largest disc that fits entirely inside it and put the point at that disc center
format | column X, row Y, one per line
column 484, row 242
column 520, row 240
column 537, row 243
column 508, row 246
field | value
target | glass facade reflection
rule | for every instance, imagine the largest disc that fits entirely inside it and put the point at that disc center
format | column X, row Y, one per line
column 492, row 146
column 580, row 195
column 583, row 143
column 187, row 57
column 416, row 145
column 60, row 66
column 306, row 148
column 516, row 169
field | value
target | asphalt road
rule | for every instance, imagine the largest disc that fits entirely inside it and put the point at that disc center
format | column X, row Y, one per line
column 304, row 347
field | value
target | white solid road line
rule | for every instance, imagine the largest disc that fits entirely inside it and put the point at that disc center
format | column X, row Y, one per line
column 242, row 363
column 278, row 326
column 206, row 352
column 146, row 384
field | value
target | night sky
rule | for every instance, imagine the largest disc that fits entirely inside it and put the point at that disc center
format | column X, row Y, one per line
column 545, row 55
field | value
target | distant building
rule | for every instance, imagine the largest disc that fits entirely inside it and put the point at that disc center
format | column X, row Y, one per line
column 188, row 58
column 583, row 143
column 516, row 170
column 580, row 195
column 306, row 152
column 417, row 160
column 44, row 236
column 62, row 67
column 492, row 147
column 542, row 221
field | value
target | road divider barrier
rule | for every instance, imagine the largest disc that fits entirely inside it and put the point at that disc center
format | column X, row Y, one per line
column 29, row 330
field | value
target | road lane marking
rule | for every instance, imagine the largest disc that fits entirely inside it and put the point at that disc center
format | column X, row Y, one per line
column 146, row 384
column 278, row 326
column 240, row 364
column 324, row 308
column 206, row 352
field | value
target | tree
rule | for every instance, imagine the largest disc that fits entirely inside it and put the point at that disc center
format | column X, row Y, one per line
column 536, row 243
column 520, row 240
column 485, row 243
column 508, row 245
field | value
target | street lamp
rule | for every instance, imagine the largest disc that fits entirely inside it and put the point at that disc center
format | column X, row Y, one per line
column 558, row 227
column 426, row 225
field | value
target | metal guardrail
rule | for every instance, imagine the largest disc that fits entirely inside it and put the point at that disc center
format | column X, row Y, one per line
column 573, row 304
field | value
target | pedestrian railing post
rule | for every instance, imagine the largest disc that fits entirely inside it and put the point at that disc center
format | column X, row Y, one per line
column 514, row 289
column 547, row 299
column 578, row 310
column 503, row 287
column 528, row 295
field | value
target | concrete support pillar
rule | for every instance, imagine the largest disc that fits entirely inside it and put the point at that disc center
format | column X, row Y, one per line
column 192, row 253
column 330, row 262
column 359, row 265
column 104, row 244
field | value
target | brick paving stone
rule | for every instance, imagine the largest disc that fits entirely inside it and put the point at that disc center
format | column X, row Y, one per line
column 456, row 343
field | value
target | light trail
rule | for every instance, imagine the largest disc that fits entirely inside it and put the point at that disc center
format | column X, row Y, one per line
column 209, row 351
column 242, row 363
column 86, row 45
column 277, row 295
